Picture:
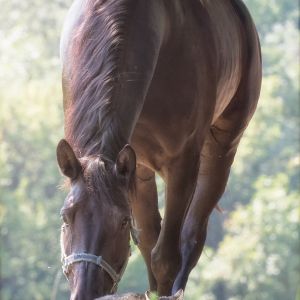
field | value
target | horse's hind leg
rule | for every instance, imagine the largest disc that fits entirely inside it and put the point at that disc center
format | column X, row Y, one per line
column 146, row 216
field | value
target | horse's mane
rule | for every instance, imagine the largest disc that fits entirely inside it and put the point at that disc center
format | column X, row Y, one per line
column 95, row 53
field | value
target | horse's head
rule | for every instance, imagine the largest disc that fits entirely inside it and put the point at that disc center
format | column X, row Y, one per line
column 95, row 235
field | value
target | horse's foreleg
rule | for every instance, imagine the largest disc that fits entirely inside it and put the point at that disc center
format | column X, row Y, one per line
column 146, row 216
column 181, row 178
column 216, row 159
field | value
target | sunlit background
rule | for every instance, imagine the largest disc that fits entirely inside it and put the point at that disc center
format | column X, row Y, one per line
column 252, row 251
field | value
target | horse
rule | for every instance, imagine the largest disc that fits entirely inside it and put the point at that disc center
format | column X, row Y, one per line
column 149, row 87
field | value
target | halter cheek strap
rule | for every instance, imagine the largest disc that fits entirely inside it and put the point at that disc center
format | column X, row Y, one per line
column 97, row 260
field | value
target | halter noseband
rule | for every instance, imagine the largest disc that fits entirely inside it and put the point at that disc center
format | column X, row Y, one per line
column 97, row 260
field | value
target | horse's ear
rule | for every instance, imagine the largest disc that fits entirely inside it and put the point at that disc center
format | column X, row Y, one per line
column 67, row 161
column 126, row 161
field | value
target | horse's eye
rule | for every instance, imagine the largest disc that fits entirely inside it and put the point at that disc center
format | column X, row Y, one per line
column 67, row 215
column 125, row 222
column 64, row 218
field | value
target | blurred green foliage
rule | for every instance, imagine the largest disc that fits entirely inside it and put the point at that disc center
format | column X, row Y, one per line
column 252, row 252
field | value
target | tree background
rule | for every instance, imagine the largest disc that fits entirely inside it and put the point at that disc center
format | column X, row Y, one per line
column 252, row 250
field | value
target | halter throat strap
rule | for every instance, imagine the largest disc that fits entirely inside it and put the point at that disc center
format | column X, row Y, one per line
column 97, row 260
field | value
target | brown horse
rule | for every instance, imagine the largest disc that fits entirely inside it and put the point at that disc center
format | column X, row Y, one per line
column 150, row 86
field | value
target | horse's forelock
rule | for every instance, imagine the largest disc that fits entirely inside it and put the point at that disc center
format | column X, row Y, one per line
column 101, row 178
column 97, row 173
